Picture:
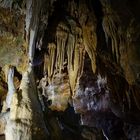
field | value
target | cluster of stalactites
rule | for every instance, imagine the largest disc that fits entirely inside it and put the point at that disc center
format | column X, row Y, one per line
column 66, row 55
column 68, row 51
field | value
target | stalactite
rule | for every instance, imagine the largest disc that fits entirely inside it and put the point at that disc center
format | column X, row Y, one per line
column 73, row 59
column 52, row 55
column 76, row 57
column 11, row 87
column 28, row 17
column 58, row 53
column 52, row 59
column 33, row 34
column 90, row 42
column 110, row 30
column 61, row 43
column 32, row 23
column 70, row 50
column 60, row 63
column 62, row 54
column 81, row 59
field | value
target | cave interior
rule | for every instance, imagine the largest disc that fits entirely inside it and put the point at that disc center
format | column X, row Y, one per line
column 69, row 70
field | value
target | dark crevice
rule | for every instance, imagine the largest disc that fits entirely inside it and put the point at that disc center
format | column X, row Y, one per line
column 58, row 15
column 17, row 74
column 102, row 46
column 97, row 7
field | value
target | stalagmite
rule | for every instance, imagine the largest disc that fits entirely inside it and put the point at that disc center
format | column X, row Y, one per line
column 26, row 118
column 3, row 121
column 11, row 87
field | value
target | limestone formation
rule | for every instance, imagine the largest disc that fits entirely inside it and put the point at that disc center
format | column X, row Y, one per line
column 69, row 69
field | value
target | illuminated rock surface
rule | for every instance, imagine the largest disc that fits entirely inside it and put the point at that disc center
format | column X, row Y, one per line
column 69, row 70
